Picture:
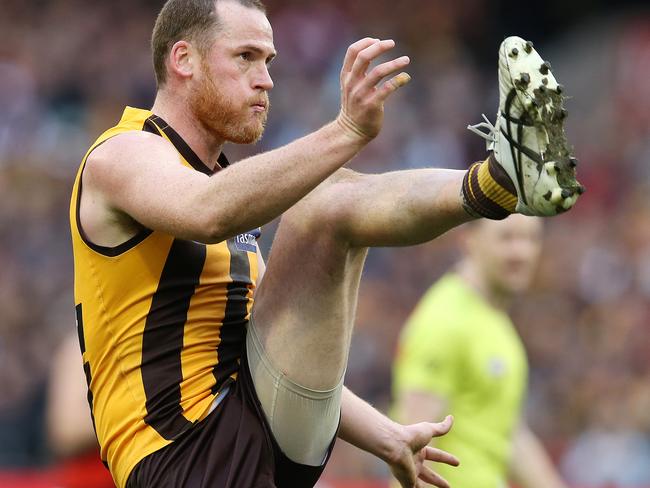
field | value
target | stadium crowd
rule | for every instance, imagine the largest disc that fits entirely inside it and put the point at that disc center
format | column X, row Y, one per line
column 68, row 67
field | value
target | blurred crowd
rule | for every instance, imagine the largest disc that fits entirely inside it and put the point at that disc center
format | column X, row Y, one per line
column 68, row 67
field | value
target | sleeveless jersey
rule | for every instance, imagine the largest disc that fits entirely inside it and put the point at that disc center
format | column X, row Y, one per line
column 161, row 322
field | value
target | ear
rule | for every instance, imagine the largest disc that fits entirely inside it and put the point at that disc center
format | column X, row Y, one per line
column 182, row 59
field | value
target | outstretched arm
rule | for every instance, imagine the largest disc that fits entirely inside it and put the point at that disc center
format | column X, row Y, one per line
column 403, row 447
column 530, row 466
column 138, row 175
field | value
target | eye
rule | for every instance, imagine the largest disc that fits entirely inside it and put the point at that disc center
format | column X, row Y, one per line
column 246, row 56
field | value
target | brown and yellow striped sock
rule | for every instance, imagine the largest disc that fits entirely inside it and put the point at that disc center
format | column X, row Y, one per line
column 488, row 191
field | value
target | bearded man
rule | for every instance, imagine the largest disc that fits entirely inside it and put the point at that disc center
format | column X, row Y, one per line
column 190, row 383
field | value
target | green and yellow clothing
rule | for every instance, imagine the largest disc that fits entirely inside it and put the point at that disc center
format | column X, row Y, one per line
column 458, row 347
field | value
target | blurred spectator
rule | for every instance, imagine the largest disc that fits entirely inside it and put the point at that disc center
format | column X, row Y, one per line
column 611, row 451
column 71, row 435
column 69, row 425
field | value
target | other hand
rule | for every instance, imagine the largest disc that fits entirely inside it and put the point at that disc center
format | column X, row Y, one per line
column 362, row 92
column 412, row 450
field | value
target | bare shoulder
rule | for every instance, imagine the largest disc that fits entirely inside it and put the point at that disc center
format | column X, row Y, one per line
column 117, row 172
column 124, row 156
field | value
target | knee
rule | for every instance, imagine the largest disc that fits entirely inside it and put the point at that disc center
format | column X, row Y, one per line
column 327, row 209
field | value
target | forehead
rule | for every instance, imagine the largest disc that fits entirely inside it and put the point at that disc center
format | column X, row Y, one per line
column 243, row 25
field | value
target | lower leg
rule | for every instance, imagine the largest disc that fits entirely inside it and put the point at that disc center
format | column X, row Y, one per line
column 304, row 307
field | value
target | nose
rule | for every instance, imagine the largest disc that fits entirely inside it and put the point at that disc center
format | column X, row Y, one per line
column 263, row 80
column 524, row 249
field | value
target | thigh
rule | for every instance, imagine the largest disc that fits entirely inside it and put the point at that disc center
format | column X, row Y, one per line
column 305, row 305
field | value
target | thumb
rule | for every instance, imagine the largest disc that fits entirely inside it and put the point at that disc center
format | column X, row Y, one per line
column 428, row 430
column 445, row 426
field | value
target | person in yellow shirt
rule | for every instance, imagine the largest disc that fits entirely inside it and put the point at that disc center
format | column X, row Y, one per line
column 459, row 352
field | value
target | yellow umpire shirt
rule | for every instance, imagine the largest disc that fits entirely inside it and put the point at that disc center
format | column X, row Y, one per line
column 458, row 347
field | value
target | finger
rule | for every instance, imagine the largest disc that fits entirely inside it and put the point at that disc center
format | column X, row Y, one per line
column 367, row 55
column 428, row 476
column 406, row 479
column 425, row 431
column 440, row 456
column 385, row 69
column 391, row 86
column 354, row 50
column 441, row 428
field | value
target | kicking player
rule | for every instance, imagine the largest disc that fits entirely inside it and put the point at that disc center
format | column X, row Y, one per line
column 191, row 383
column 460, row 352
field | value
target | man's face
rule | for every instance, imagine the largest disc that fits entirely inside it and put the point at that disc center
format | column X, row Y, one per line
column 229, row 95
column 506, row 252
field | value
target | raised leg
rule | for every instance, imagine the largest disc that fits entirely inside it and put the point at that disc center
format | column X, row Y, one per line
column 305, row 306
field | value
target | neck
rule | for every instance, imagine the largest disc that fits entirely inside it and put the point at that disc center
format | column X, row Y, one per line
column 179, row 116
column 472, row 276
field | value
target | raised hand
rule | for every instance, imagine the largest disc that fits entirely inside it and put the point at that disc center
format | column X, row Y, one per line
column 362, row 92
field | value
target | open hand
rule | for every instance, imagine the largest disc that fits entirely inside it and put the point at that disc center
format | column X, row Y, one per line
column 362, row 94
column 408, row 462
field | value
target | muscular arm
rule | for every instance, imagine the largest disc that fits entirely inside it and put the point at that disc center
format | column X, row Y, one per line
column 402, row 447
column 138, row 175
column 530, row 466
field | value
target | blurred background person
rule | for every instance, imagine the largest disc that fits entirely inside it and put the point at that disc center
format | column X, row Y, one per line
column 69, row 425
column 71, row 436
column 460, row 353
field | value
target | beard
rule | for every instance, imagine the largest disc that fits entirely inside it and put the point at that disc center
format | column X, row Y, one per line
column 225, row 117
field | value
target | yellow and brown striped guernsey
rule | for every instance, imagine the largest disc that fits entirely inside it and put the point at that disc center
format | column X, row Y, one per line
column 161, row 322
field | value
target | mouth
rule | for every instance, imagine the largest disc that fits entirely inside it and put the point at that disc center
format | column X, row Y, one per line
column 260, row 106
